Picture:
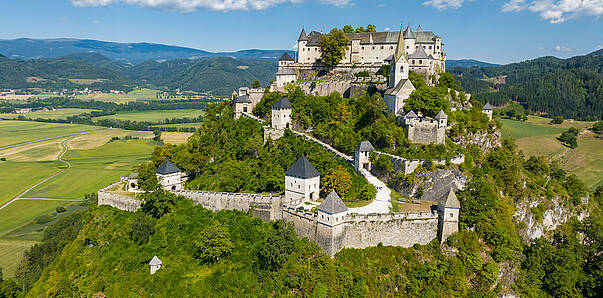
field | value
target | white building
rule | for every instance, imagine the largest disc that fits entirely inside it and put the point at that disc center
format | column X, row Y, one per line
column 302, row 181
column 155, row 264
column 332, row 211
column 363, row 156
column 487, row 109
column 448, row 213
column 281, row 114
column 285, row 74
column 170, row 177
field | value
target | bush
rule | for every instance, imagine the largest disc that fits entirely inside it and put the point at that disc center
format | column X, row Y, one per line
column 362, row 74
column 557, row 120
column 43, row 219
column 60, row 209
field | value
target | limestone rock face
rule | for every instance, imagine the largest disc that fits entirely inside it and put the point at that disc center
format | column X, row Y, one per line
column 554, row 215
column 484, row 140
column 435, row 184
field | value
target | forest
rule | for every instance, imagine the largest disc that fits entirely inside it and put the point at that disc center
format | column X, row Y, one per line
column 572, row 88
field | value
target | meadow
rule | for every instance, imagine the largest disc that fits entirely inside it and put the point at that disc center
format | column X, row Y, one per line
column 136, row 95
column 19, row 176
column 537, row 137
column 56, row 114
column 181, row 125
column 16, row 132
column 155, row 116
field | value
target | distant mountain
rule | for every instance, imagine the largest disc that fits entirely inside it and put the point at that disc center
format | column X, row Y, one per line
column 2, row 56
column 134, row 53
column 467, row 63
column 98, row 60
column 572, row 88
column 597, row 52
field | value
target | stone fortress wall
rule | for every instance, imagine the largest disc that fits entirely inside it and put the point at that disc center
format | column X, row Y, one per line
column 116, row 200
column 410, row 165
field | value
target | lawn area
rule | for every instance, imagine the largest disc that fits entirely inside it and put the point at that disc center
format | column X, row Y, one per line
column 155, row 116
column 18, row 232
column 537, row 137
column 15, row 132
column 93, row 169
column 136, row 95
column 19, row 176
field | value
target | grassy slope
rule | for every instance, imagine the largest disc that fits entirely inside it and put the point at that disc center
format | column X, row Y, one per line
column 15, row 132
column 537, row 137
column 155, row 115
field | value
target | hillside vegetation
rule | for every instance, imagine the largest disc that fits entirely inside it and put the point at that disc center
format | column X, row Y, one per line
column 572, row 87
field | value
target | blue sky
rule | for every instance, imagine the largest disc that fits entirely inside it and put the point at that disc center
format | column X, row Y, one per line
column 499, row 31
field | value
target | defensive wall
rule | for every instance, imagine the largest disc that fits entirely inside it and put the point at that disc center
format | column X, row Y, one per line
column 410, row 165
column 403, row 229
column 116, row 200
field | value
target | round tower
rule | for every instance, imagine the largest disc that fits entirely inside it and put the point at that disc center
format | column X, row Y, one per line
column 409, row 40
column 302, row 41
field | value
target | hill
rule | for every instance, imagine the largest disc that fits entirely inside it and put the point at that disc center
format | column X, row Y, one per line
column 27, row 48
column 59, row 73
column 567, row 87
column 597, row 52
column 467, row 63
column 218, row 76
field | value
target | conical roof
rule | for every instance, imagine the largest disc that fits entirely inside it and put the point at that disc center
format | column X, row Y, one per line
column 419, row 28
column 283, row 103
column 441, row 115
column 488, row 106
column 167, row 168
column 303, row 168
column 408, row 34
column 411, row 114
column 303, row 36
column 365, row 146
column 450, row 200
column 332, row 204
column 155, row 261
column 286, row 57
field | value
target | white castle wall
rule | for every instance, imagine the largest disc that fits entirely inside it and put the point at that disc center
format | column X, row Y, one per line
column 118, row 201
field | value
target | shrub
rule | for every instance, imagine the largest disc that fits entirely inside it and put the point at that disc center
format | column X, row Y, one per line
column 60, row 209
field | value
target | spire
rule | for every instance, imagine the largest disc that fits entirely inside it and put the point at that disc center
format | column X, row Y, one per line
column 332, row 204
column 303, row 36
column 371, row 38
column 400, row 49
column 408, row 34
column 419, row 28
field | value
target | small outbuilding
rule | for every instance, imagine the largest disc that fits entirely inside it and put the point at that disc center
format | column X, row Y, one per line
column 155, row 264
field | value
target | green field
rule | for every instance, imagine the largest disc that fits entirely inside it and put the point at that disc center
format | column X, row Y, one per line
column 18, row 231
column 56, row 114
column 94, row 169
column 19, row 176
column 136, row 95
column 155, row 116
column 15, row 132
column 181, row 125
column 537, row 137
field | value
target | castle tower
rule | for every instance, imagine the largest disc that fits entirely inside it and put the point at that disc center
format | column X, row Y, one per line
column 332, row 213
column 409, row 40
column 302, row 41
column 302, row 181
column 362, row 156
column 170, row 177
column 285, row 61
column 399, row 69
column 281, row 114
column 242, row 104
column 410, row 118
column 442, row 119
column 155, row 264
column 285, row 73
column 487, row 109
column 448, row 215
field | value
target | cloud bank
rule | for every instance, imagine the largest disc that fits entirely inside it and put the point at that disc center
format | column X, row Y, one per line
column 193, row 5
column 557, row 11
column 444, row 4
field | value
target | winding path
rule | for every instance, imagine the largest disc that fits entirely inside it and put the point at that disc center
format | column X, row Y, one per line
column 382, row 202
column 20, row 196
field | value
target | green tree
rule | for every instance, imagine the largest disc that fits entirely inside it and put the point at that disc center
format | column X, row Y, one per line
column 333, row 47
column 371, row 28
column 557, row 120
column 360, row 30
column 338, row 179
column 428, row 100
column 277, row 247
column 141, row 228
column 158, row 203
column 348, row 29
column 447, row 80
column 147, row 178
column 213, row 243
column 256, row 84
column 157, row 135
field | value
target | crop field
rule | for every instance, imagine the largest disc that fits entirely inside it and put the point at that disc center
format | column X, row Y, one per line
column 175, row 138
column 19, row 176
column 537, row 137
column 136, row 95
column 16, row 132
column 155, row 116
column 93, row 169
column 181, row 125
column 56, row 114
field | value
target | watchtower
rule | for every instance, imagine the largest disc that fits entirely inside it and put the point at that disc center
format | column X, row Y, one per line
column 302, row 181
column 362, row 156
column 487, row 109
column 281, row 114
column 448, row 215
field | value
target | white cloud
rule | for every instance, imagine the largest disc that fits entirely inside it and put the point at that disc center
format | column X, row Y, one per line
column 598, row 47
column 562, row 49
column 540, row 48
column 444, row 4
column 387, row 29
column 192, row 5
column 557, row 11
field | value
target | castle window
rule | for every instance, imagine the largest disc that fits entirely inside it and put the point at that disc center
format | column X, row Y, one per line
column 438, row 47
column 391, row 47
column 420, row 61
column 401, row 68
column 451, row 215
column 363, row 48
column 382, row 47
column 430, row 47
column 303, row 49
column 412, row 61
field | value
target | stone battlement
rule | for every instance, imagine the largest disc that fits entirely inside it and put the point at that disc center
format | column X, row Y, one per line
column 408, row 166
column 105, row 197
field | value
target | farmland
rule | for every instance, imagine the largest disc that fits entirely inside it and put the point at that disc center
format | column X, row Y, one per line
column 537, row 137
column 136, row 95
column 155, row 116
column 56, row 114
column 16, row 132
